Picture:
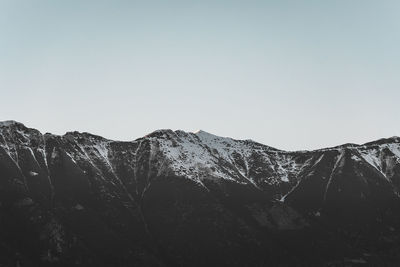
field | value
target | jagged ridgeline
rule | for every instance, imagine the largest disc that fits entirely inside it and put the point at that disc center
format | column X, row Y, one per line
column 174, row 198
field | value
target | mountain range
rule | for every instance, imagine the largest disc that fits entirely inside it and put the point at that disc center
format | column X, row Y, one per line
column 173, row 198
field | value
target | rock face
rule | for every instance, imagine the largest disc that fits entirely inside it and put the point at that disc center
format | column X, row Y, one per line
column 194, row 199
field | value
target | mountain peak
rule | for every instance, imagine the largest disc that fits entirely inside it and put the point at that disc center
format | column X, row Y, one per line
column 9, row 123
column 206, row 135
column 160, row 133
column 200, row 132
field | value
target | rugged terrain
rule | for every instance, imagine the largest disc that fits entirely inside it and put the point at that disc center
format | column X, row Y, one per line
column 173, row 198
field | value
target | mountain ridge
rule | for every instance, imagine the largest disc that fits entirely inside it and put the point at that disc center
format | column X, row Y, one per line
column 81, row 199
column 395, row 139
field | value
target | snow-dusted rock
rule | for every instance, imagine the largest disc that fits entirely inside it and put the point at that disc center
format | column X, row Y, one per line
column 162, row 198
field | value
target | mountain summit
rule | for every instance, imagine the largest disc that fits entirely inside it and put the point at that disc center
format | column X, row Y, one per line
column 173, row 198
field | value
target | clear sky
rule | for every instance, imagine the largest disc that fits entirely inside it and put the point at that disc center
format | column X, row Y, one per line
column 290, row 74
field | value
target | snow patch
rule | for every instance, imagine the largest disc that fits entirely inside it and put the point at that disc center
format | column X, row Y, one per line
column 373, row 159
column 79, row 207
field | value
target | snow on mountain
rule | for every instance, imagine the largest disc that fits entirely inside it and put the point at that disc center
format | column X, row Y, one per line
column 192, row 192
column 201, row 155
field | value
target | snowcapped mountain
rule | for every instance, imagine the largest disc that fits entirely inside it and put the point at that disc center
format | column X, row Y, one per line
column 173, row 198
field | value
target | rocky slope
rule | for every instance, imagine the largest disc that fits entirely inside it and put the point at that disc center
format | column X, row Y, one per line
column 194, row 199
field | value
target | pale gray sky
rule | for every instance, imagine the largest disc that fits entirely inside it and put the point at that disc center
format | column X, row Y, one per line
column 290, row 74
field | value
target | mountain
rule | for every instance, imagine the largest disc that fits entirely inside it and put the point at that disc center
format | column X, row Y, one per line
column 173, row 198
